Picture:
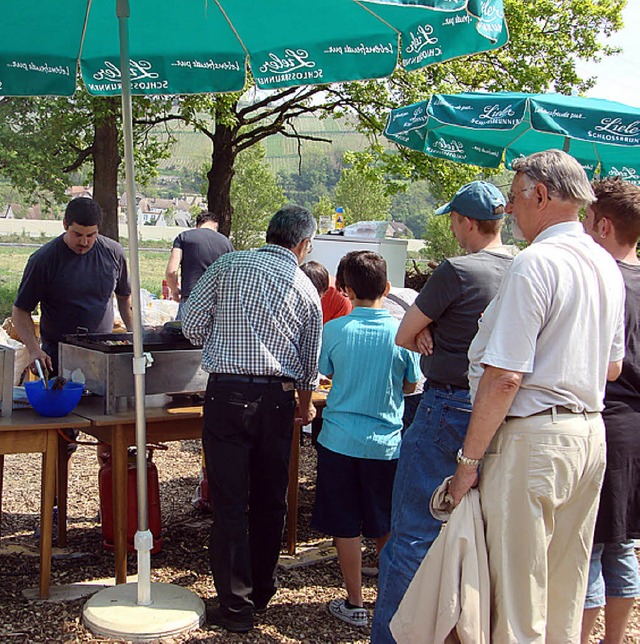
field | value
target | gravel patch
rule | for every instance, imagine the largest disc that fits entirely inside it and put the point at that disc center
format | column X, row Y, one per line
column 298, row 612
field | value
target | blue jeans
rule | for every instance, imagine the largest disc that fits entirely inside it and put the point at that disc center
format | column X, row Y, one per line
column 613, row 572
column 427, row 456
column 180, row 312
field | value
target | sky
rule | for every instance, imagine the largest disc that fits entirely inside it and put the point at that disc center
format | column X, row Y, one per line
column 618, row 78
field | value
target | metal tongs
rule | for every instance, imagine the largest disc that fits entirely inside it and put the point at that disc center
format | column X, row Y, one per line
column 43, row 374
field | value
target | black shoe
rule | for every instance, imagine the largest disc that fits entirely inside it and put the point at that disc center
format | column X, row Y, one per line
column 215, row 617
column 260, row 603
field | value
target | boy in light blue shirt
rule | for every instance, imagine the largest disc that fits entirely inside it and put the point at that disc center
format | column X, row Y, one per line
column 359, row 444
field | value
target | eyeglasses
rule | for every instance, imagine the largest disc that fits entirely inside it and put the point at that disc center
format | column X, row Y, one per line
column 511, row 196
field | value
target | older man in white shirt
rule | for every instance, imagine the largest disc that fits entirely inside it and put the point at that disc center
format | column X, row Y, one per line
column 545, row 348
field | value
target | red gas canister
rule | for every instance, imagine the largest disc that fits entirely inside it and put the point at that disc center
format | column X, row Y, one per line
column 105, row 486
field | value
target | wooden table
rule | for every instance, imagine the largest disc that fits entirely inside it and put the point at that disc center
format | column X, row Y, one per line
column 319, row 400
column 167, row 423
column 164, row 423
column 26, row 432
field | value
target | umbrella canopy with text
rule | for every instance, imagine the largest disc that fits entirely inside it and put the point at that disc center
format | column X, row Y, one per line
column 198, row 46
column 487, row 129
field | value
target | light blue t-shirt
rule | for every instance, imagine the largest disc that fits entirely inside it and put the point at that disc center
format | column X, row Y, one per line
column 363, row 416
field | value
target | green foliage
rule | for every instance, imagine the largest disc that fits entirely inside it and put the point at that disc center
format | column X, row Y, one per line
column 45, row 140
column 8, row 193
column 30, row 142
column 182, row 180
column 362, row 190
column 412, row 207
column 440, row 242
column 255, row 196
column 317, row 178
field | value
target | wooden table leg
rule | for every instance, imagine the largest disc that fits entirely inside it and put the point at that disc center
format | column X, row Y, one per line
column 119, row 462
column 62, row 486
column 292, row 492
column 46, row 510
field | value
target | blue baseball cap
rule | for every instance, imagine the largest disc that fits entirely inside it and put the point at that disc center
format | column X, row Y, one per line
column 477, row 200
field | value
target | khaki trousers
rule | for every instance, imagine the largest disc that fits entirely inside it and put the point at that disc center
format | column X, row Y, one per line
column 539, row 488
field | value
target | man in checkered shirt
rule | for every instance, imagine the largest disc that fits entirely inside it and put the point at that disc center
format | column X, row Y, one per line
column 259, row 321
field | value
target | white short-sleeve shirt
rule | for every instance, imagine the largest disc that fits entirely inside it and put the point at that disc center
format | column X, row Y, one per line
column 558, row 318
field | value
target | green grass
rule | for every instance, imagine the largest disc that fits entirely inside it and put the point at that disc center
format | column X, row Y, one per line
column 12, row 263
column 13, row 259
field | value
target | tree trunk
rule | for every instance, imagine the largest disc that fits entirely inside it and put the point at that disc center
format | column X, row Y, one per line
column 220, row 175
column 106, row 161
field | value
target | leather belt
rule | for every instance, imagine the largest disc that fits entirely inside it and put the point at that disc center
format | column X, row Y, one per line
column 249, row 379
column 445, row 387
column 551, row 411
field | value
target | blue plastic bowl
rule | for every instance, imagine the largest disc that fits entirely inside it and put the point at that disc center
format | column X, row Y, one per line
column 53, row 402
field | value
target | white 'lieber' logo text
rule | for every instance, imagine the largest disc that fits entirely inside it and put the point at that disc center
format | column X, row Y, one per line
column 139, row 69
column 292, row 61
column 495, row 112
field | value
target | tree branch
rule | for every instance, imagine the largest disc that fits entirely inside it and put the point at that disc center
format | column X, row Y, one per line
column 83, row 155
column 162, row 119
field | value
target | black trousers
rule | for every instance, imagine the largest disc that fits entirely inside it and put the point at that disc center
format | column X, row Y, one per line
column 247, row 444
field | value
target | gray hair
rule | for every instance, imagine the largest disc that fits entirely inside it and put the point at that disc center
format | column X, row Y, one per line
column 562, row 175
column 290, row 225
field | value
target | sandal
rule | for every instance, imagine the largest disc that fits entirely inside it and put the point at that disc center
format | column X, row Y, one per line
column 355, row 616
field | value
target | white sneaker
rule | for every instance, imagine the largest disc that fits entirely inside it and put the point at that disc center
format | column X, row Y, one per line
column 354, row 616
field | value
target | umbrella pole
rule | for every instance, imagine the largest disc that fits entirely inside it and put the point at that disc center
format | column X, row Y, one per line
column 173, row 609
column 143, row 539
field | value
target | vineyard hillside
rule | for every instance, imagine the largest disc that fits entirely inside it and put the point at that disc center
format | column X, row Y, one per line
column 193, row 149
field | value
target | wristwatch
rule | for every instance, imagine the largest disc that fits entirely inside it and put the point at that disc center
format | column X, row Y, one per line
column 471, row 462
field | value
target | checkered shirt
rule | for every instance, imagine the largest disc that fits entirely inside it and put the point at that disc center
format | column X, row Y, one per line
column 256, row 313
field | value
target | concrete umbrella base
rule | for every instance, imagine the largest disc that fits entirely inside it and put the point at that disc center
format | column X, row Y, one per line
column 113, row 612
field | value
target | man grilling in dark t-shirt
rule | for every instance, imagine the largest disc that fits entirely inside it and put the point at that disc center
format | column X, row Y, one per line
column 73, row 278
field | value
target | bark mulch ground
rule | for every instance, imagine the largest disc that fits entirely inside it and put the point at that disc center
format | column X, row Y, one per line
column 298, row 613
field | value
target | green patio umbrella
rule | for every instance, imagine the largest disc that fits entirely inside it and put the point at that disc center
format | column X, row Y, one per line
column 196, row 46
column 199, row 46
column 487, row 129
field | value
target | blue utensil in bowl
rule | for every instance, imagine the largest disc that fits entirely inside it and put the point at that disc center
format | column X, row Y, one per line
column 53, row 402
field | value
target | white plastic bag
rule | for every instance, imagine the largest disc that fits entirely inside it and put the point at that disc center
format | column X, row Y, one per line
column 21, row 355
column 154, row 312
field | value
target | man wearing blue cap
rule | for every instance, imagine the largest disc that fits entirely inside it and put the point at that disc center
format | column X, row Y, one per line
column 440, row 325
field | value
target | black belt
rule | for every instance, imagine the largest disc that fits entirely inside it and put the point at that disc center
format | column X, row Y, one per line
column 258, row 380
column 441, row 385
column 556, row 409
